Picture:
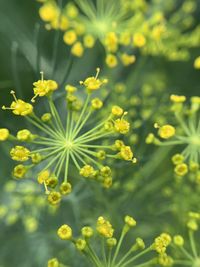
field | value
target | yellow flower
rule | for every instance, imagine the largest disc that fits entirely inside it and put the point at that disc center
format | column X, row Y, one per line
column 177, row 98
column 80, row 244
column 177, row 159
column 23, row 135
column 53, row 263
column 43, row 176
column 77, row 49
column 36, row 157
column 54, row 198
column 111, row 42
column 20, row 153
column 161, row 243
column 19, row 107
column 46, row 117
column 70, row 37
column 87, row 231
column 43, row 87
column 71, row 10
column 139, row 40
column 93, row 83
column 65, row 188
column 125, row 38
column 197, row 63
column 88, row 41
column 192, row 225
column 150, row 138
column 70, row 89
column 104, row 227
column 140, row 243
column 126, row 153
column 111, row 60
column 127, row 59
column 165, row 260
column 166, row 131
column 49, row 11
column 130, row 221
column 19, row 171
column 178, row 240
column 4, row 134
column 111, row 242
column 107, row 182
column 87, row 171
column 181, row 169
column 96, row 103
column 122, row 126
column 117, row 111
column 65, row 232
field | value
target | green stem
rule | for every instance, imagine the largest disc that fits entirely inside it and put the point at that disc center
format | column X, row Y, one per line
column 81, row 115
column 81, row 125
column 193, row 245
column 94, row 256
column 66, row 166
column 93, row 129
column 123, row 233
column 137, row 256
column 61, row 163
column 56, row 115
column 74, row 160
column 47, row 131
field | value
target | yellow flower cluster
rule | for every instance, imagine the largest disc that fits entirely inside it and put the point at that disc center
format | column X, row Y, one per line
column 126, row 27
column 63, row 142
column 162, row 242
column 104, row 227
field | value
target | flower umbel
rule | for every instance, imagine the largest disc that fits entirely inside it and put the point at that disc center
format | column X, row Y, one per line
column 60, row 144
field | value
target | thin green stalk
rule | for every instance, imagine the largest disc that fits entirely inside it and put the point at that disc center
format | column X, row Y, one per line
column 103, row 251
column 74, row 160
column 82, row 114
column 94, row 256
column 89, row 158
column 125, row 257
column 66, row 166
column 183, row 262
column 137, row 256
column 94, row 137
column 52, row 161
column 48, row 132
column 93, row 129
column 56, row 116
column 123, row 233
column 67, row 124
column 71, row 128
column 42, row 150
column 81, row 125
column 193, row 245
column 182, row 124
column 61, row 163
column 53, row 130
